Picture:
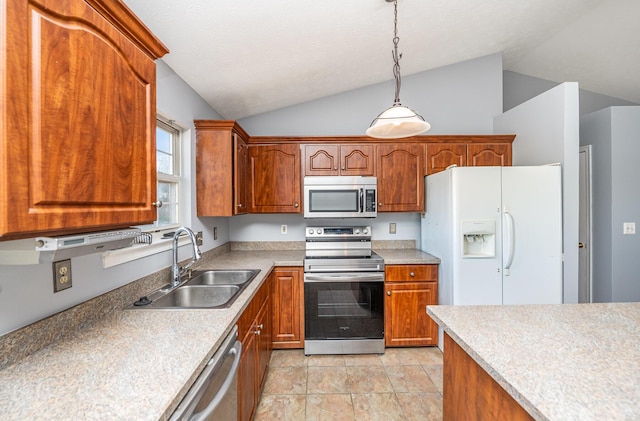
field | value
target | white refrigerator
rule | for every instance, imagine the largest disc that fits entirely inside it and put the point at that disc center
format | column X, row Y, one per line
column 498, row 233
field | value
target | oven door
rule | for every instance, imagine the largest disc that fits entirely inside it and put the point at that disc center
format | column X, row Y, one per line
column 343, row 306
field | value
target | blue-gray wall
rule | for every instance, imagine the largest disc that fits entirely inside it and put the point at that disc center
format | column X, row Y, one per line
column 614, row 134
column 460, row 98
column 518, row 88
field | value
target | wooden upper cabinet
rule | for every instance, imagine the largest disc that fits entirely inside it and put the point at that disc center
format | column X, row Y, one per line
column 222, row 159
column 78, row 106
column 274, row 178
column 442, row 155
column 339, row 160
column 489, row 154
column 400, row 170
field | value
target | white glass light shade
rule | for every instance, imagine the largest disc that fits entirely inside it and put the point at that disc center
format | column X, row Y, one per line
column 396, row 122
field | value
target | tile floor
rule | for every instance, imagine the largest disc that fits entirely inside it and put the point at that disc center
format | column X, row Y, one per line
column 402, row 384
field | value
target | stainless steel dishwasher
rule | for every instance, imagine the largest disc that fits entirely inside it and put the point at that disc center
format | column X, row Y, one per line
column 214, row 395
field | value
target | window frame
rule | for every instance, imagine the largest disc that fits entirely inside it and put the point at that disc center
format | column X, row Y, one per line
column 159, row 242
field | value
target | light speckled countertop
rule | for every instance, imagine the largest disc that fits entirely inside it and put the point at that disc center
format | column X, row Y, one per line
column 559, row 362
column 138, row 364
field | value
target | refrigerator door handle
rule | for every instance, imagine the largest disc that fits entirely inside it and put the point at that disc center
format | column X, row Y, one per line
column 510, row 242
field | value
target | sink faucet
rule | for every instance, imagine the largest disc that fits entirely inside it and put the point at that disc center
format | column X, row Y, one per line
column 176, row 270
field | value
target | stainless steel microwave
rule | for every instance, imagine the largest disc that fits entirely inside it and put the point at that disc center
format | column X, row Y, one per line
column 340, row 197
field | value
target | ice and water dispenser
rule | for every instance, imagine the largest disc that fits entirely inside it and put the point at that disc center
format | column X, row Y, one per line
column 478, row 238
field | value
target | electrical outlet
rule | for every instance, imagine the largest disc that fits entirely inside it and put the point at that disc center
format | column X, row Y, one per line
column 199, row 239
column 61, row 275
column 283, row 229
column 629, row 228
column 392, row 228
column 215, row 233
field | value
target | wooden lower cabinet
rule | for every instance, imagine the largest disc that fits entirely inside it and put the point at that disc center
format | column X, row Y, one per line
column 254, row 329
column 288, row 308
column 470, row 393
column 409, row 290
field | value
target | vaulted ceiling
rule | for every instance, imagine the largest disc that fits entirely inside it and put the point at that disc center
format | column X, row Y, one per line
column 246, row 57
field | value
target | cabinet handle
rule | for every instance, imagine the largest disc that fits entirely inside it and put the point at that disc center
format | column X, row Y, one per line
column 295, row 205
column 389, row 293
column 412, row 274
column 157, row 204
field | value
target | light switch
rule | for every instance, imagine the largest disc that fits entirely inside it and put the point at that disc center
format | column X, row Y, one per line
column 629, row 228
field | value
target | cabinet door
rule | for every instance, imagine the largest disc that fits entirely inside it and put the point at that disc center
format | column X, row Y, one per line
column 274, row 179
column 241, row 174
column 489, row 154
column 78, row 148
column 400, row 170
column 288, row 301
column 406, row 319
column 440, row 156
column 357, row 160
column 321, row 159
column 214, row 172
column 247, row 385
column 263, row 324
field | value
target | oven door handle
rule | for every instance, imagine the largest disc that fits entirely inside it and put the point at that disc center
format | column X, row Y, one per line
column 344, row 277
column 361, row 200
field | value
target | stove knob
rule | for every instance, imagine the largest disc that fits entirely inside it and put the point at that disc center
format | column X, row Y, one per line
column 319, row 231
column 310, row 230
column 357, row 231
column 365, row 231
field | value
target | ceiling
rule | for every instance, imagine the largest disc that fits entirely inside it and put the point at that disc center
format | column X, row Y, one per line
column 246, row 57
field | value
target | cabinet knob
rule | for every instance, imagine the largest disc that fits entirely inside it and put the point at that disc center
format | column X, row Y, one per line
column 380, row 204
column 342, row 168
column 389, row 293
column 335, row 168
column 295, row 205
column 260, row 326
column 412, row 274
column 239, row 205
column 580, row 245
column 157, row 204
column 257, row 332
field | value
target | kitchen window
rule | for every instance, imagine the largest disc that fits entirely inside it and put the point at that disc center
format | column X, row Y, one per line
column 168, row 151
column 168, row 167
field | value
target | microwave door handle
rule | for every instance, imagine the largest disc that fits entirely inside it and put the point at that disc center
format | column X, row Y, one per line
column 361, row 200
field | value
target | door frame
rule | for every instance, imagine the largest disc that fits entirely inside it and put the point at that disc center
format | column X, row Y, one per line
column 585, row 230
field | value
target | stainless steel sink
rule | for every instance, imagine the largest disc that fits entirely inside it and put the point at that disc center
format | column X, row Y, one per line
column 222, row 277
column 199, row 296
column 205, row 289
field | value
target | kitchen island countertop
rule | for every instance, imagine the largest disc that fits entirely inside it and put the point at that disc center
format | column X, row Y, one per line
column 559, row 362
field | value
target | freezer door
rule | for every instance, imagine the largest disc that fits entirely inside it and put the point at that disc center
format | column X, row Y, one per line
column 476, row 197
column 532, row 235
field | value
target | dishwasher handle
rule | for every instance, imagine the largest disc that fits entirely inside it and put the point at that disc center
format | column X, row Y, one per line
column 237, row 352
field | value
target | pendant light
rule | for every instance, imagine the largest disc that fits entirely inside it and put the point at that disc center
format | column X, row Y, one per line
column 397, row 121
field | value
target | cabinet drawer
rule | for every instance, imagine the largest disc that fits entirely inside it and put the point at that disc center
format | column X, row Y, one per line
column 410, row 273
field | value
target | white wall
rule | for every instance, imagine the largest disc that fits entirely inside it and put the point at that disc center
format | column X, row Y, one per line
column 614, row 134
column 26, row 292
column 547, row 129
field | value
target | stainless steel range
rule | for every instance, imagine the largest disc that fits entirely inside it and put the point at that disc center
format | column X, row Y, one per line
column 343, row 292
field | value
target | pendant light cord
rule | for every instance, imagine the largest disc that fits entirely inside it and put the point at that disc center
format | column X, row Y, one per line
column 394, row 53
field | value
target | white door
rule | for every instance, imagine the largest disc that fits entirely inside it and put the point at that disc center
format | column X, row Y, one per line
column 532, row 235
column 584, row 232
column 476, row 197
